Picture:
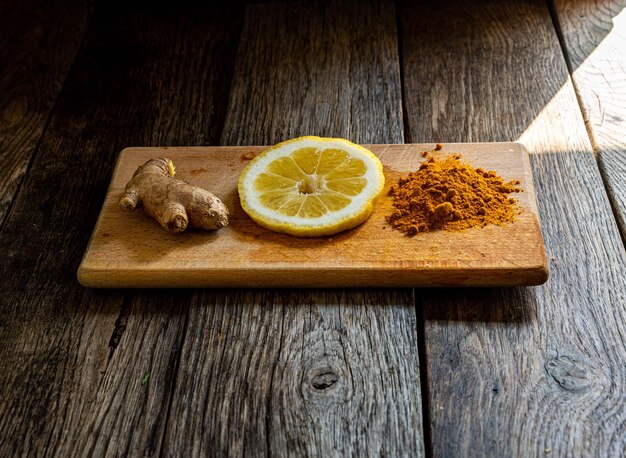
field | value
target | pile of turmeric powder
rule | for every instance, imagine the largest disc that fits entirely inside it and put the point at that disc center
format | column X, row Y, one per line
column 452, row 195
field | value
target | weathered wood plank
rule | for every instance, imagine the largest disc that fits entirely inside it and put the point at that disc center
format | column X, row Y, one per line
column 86, row 372
column 594, row 36
column 39, row 42
column 331, row 75
column 525, row 371
column 299, row 371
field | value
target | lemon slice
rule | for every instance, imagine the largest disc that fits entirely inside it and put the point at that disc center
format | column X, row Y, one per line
column 311, row 186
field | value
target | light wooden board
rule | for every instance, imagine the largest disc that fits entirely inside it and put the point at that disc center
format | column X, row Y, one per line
column 131, row 250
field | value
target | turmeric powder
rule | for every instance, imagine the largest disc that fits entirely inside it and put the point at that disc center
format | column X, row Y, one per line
column 452, row 195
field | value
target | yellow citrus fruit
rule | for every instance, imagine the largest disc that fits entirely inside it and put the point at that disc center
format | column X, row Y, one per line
column 311, row 186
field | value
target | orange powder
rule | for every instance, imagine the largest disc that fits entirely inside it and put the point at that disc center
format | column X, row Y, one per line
column 451, row 195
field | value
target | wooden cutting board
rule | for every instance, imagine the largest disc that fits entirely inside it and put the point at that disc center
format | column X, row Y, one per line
column 131, row 250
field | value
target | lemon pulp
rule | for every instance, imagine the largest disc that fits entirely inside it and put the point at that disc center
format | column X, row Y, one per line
column 311, row 186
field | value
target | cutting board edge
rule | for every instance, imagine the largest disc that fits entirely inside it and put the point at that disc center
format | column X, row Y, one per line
column 87, row 252
column 531, row 275
column 533, row 201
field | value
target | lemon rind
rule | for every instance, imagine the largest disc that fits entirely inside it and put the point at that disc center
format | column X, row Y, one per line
column 354, row 214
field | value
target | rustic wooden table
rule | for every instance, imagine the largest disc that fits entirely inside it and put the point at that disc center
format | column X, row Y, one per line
column 445, row 372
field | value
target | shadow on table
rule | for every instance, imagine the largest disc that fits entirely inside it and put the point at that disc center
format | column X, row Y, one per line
column 437, row 304
column 497, row 305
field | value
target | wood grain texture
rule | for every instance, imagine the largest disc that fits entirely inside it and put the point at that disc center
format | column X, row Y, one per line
column 131, row 250
column 594, row 36
column 92, row 372
column 340, row 76
column 305, row 372
column 526, row 371
column 297, row 371
column 40, row 40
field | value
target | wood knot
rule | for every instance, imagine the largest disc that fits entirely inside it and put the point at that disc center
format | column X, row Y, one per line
column 569, row 372
column 324, row 380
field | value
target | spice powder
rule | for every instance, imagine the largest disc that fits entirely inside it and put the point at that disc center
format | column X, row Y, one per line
column 452, row 195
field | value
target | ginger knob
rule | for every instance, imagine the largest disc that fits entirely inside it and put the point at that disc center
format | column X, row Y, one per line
column 174, row 203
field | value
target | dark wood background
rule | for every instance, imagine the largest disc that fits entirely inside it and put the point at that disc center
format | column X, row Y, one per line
column 444, row 372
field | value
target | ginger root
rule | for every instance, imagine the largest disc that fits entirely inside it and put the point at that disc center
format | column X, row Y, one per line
column 174, row 203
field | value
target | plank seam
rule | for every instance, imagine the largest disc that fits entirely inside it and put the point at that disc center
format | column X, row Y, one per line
column 568, row 64
column 423, row 371
column 406, row 129
column 174, row 379
column 588, row 127
column 51, row 112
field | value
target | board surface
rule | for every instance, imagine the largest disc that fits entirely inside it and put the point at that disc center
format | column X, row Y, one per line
column 128, row 249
